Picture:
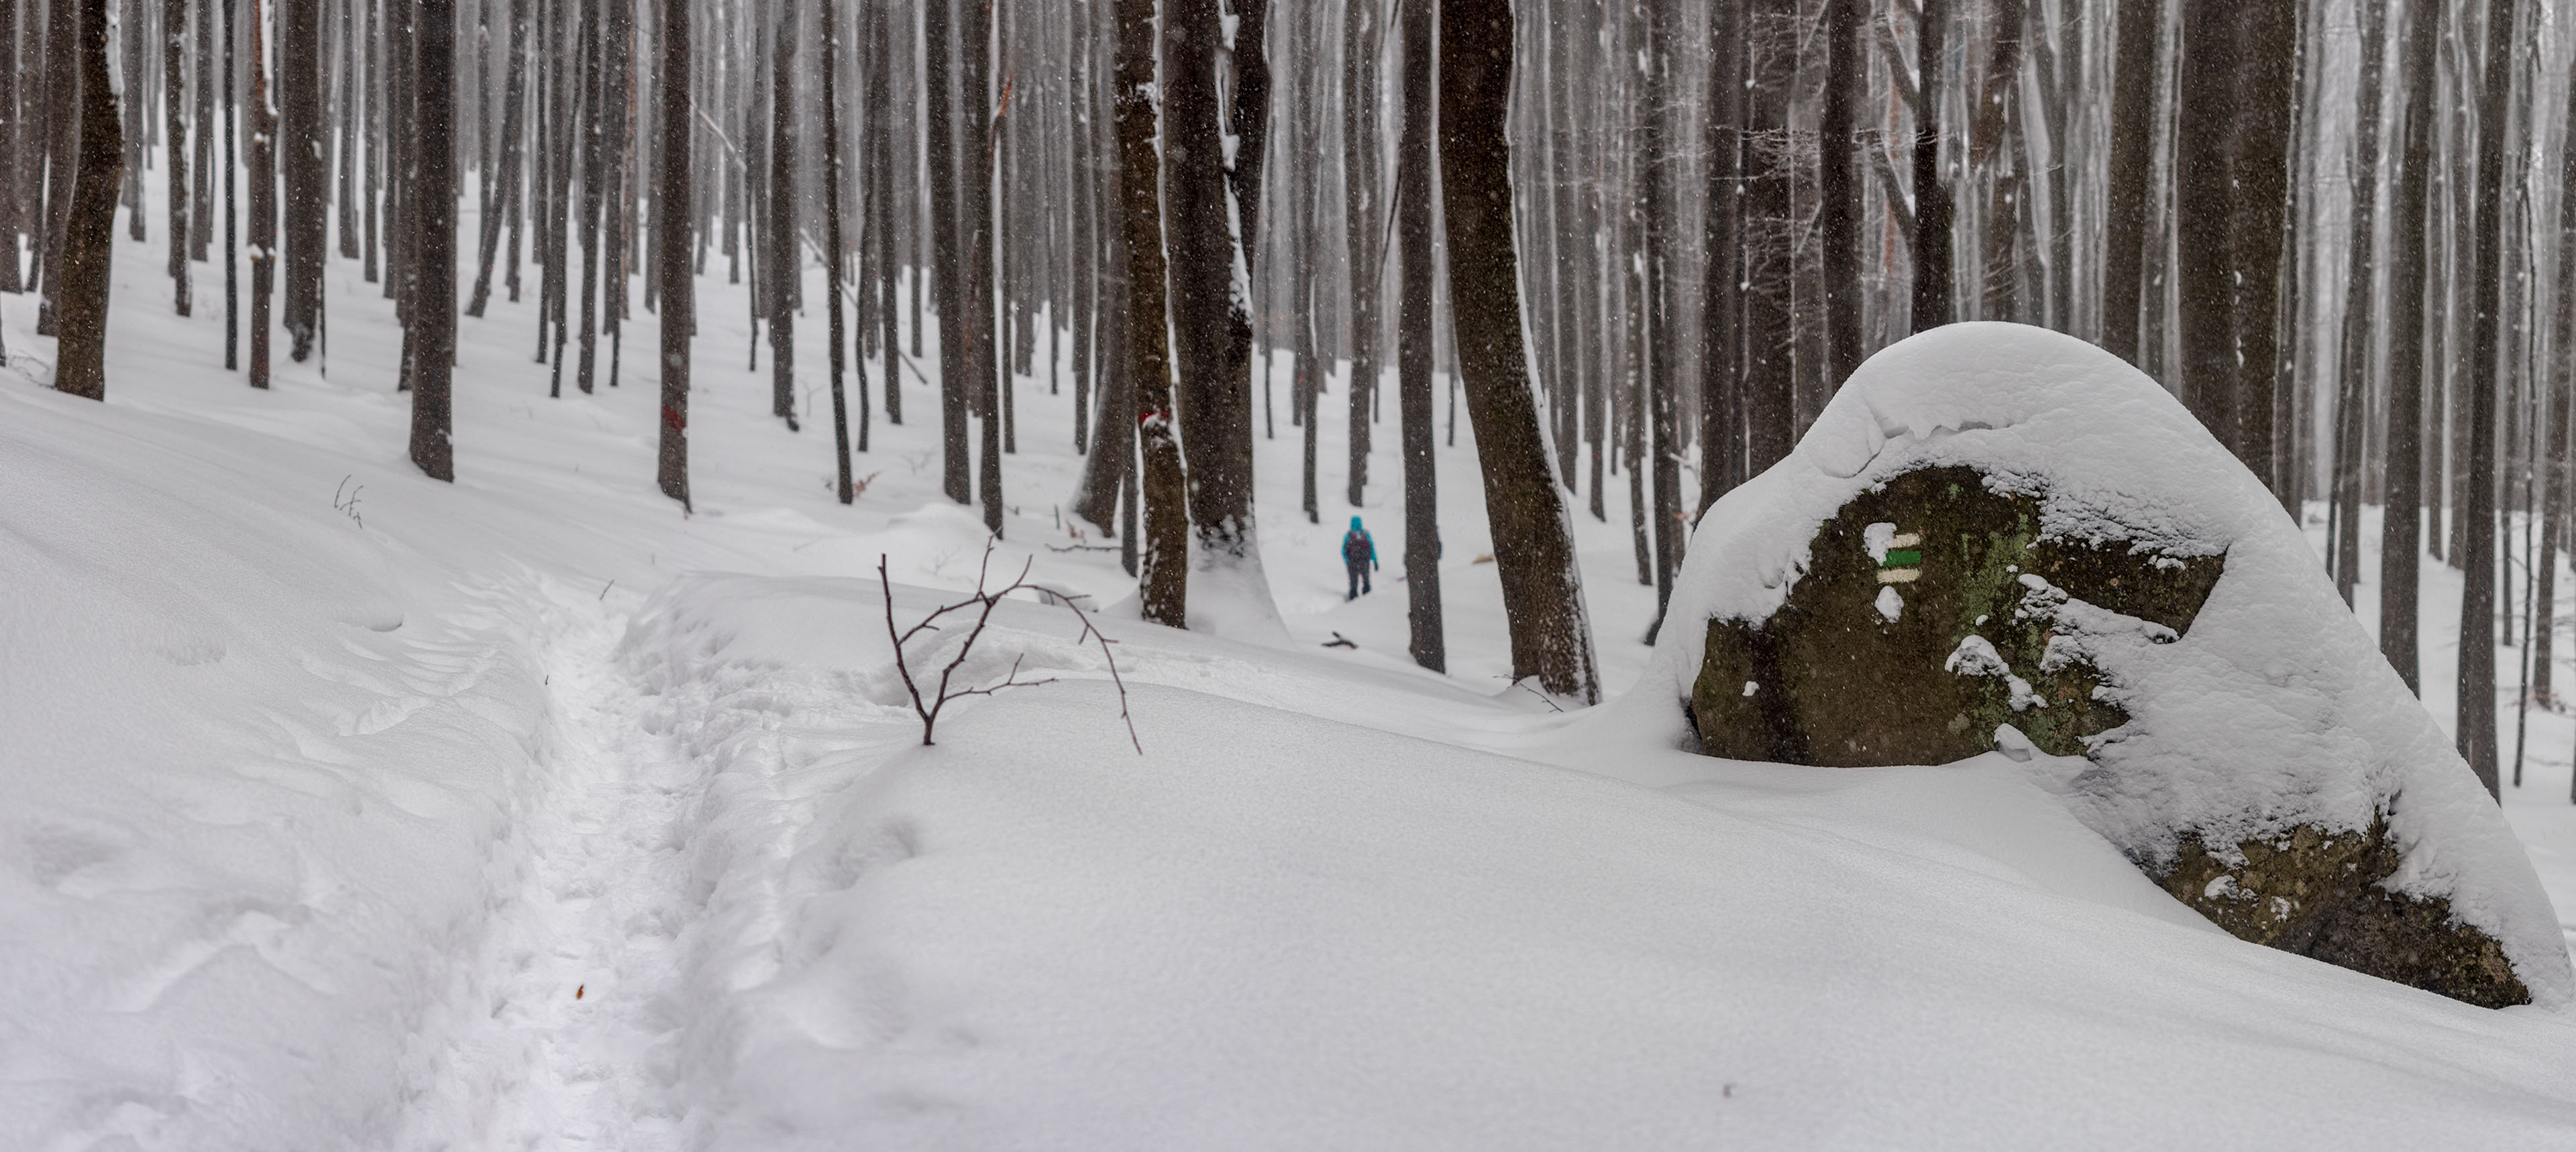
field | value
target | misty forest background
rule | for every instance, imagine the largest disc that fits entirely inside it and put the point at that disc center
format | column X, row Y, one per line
column 1639, row 242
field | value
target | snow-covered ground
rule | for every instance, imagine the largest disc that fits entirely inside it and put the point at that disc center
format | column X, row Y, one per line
column 528, row 813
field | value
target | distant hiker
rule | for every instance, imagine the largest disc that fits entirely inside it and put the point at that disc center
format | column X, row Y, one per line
column 1359, row 555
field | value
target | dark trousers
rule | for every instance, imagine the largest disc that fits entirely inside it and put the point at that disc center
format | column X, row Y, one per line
column 1359, row 581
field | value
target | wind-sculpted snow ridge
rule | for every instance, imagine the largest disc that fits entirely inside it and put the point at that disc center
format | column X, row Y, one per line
column 2274, row 713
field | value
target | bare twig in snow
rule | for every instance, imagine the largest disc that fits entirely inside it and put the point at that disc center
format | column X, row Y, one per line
column 981, row 604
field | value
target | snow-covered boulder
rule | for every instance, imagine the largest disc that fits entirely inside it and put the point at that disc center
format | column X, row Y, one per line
column 1998, row 538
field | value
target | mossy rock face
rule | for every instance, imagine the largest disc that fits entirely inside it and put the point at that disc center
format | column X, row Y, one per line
column 1932, row 612
column 2318, row 894
column 1929, row 615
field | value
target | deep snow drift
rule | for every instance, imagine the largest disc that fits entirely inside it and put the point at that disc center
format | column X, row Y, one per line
column 525, row 813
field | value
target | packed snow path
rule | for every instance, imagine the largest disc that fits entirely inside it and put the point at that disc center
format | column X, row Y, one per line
column 560, row 1033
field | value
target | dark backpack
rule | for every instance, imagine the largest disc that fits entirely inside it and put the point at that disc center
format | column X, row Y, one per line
column 1356, row 548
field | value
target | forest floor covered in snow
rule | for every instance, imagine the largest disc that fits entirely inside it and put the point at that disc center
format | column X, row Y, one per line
column 354, row 810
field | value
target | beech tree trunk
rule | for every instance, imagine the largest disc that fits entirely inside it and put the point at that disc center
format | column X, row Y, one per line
column 1989, row 154
column 260, row 124
column 975, row 203
column 956, row 393
column 784, row 264
column 1366, row 231
column 674, row 218
column 2401, row 526
column 2203, row 197
column 2354, row 394
column 1838, row 193
column 14, row 146
column 880, row 133
column 2260, row 167
column 2562, row 409
column 174, row 51
column 1413, row 342
column 1660, row 287
column 232, row 262
column 511, row 153
column 61, row 97
column 433, row 211
column 89, row 232
column 833, row 252
column 2125, row 192
column 1163, row 560
column 303, row 153
column 1533, row 534
column 1721, row 438
column 1770, row 372
column 1211, row 323
column 2477, row 705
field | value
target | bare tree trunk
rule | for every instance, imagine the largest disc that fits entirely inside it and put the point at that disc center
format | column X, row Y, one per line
column 373, row 130
column 260, row 124
column 784, row 263
column 2401, row 538
column 174, row 49
column 1413, row 342
column 1838, row 193
column 2260, row 162
column 881, row 134
column 1533, row 535
column 832, row 249
column 671, row 206
column 303, row 152
column 232, row 263
column 592, row 127
column 2203, row 196
column 1659, row 287
column 616, row 83
column 975, row 205
column 2477, row 708
column 1108, row 473
column 14, row 145
column 1367, row 246
column 351, row 76
column 1990, row 150
column 956, row 391
column 201, row 195
column 2562, row 408
column 513, row 129
column 1305, row 274
column 433, row 263
column 1163, row 576
column 90, row 215
column 62, row 84
column 1211, row 325
column 1087, row 240
column 1721, row 437
column 129, row 45
column 2126, row 197
column 1770, row 371
column 2354, row 395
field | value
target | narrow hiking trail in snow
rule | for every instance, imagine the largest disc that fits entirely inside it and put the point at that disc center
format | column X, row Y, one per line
column 561, row 1032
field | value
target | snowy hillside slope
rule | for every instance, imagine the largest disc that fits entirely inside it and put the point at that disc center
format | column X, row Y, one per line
column 1282, row 929
column 524, row 813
